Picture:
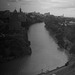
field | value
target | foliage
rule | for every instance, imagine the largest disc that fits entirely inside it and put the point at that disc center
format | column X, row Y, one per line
column 61, row 30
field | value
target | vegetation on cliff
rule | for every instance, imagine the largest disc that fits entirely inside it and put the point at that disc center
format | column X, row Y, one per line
column 14, row 33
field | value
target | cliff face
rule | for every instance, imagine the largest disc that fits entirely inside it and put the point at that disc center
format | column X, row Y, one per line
column 14, row 28
column 14, row 41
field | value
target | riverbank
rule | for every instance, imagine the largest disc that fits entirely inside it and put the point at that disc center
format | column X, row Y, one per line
column 51, row 33
column 61, row 32
column 64, row 37
column 64, row 70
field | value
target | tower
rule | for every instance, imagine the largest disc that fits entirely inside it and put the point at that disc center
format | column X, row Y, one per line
column 20, row 10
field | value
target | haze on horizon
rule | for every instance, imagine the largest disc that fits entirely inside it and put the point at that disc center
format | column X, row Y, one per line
column 55, row 7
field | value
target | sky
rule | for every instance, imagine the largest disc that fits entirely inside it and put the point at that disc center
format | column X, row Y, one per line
column 55, row 7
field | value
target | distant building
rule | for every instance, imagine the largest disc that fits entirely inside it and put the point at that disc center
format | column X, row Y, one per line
column 71, row 23
column 62, row 16
column 47, row 14
column 20, row 10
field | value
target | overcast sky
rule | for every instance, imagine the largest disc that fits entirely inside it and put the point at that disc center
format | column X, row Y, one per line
column 56, row 7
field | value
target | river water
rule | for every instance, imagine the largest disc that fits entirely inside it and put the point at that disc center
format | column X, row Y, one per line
column 45, row 55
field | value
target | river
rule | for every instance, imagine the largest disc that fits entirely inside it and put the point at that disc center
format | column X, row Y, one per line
column 45, row 55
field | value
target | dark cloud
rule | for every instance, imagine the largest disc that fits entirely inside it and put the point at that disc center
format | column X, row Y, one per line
column 14, row 0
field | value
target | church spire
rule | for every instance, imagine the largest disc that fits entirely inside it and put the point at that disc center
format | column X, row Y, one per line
column 15, row 11
column 20, row 9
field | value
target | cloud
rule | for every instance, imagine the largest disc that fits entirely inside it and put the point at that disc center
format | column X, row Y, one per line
column 69, row 4
column 46, row 4
column 23, row 1
column 64, row 3
column 59, row 1
column 19, row 0
column 13, row 0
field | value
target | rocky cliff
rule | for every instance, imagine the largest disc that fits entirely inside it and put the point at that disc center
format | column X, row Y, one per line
column 14, row 28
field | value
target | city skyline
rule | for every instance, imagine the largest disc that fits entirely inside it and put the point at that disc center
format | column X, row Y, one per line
column 55, row 7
